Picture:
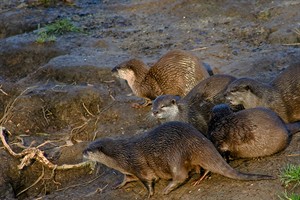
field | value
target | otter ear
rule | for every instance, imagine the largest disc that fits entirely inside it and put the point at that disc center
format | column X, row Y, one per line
column 246, row 88
column 173, row 101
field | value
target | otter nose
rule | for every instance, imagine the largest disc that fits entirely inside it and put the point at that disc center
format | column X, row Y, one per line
column 154, row 112
column 227, row 96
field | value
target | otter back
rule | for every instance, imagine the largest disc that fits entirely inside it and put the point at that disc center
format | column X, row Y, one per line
column 254, row 132
column 176, row 72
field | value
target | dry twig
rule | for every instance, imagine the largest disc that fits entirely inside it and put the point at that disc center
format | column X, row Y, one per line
column 199, row 49
column 87, row 110
column 1, row 90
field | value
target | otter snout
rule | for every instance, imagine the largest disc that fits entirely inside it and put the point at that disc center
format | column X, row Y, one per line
column 85, row 154
column 155, row 112
column 115, row 72
column 227, row 96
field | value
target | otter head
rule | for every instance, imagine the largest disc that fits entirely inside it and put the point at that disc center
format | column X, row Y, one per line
column 221, row 110
column 242, row 92
column 132, row 71
column 103, row 151
column 165, row 107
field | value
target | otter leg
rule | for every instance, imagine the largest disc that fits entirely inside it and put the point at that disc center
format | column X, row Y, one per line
column 127, row 178
column 178, row 178
column 201, row 178
column 150, row 186
column 142, row 105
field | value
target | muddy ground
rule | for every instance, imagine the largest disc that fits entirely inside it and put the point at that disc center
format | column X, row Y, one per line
column 63, row 91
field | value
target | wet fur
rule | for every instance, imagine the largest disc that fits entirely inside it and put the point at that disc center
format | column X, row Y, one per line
column 254, row 132
column 169, row 151
column 195, row 107
column 282, row 95
column 176, row 72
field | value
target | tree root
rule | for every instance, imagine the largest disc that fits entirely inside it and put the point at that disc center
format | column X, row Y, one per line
column 34, row 153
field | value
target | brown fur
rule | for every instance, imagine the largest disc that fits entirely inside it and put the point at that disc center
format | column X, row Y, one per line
column 169, row 151
column 282, row 95
column 254, row 132
column 176, row 73
column 195, row 107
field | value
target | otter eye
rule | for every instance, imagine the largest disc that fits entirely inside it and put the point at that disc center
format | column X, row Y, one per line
column 100, row 148
column 245, row 88
column 162, row 106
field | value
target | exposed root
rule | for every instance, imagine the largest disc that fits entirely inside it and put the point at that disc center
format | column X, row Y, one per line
column 10, row 106
column 1, row 90
column 33, row 153
column 199, row 49
column 98, row 190
column 36, row 182
column 44, row 115
column 294, row 154
column 84, row 184
column 87, row 110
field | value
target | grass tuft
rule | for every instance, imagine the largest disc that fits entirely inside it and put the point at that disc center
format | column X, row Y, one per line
column 59, row 27
column 291, row 196
column 290, row 175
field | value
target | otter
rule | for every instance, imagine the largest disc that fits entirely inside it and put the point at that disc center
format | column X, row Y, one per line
column 176, row 72
column 195, row 107
column 253, row 132
column 281, row 95
column 169, row 151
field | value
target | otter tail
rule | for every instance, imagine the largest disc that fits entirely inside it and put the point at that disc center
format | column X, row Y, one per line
column 293, row 127
column 223, row 168
column 245, row 176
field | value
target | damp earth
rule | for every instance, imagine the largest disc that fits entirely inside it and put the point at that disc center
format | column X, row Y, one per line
column 62, row 91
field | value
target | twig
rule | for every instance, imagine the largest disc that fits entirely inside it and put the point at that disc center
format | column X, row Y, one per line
column 297, row 31
column 3, row 91
column 76, row 185
column 293, row 44
column 95, row 135
column 79, row 127
column 38, row 180
column 200, row 48
column 96, row 191
column 87, row 110
column 292, row 155
column 44, row 115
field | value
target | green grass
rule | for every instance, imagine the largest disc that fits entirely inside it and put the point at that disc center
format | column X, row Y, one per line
column 291, row 196
column 290, row 175
column 59, row 27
